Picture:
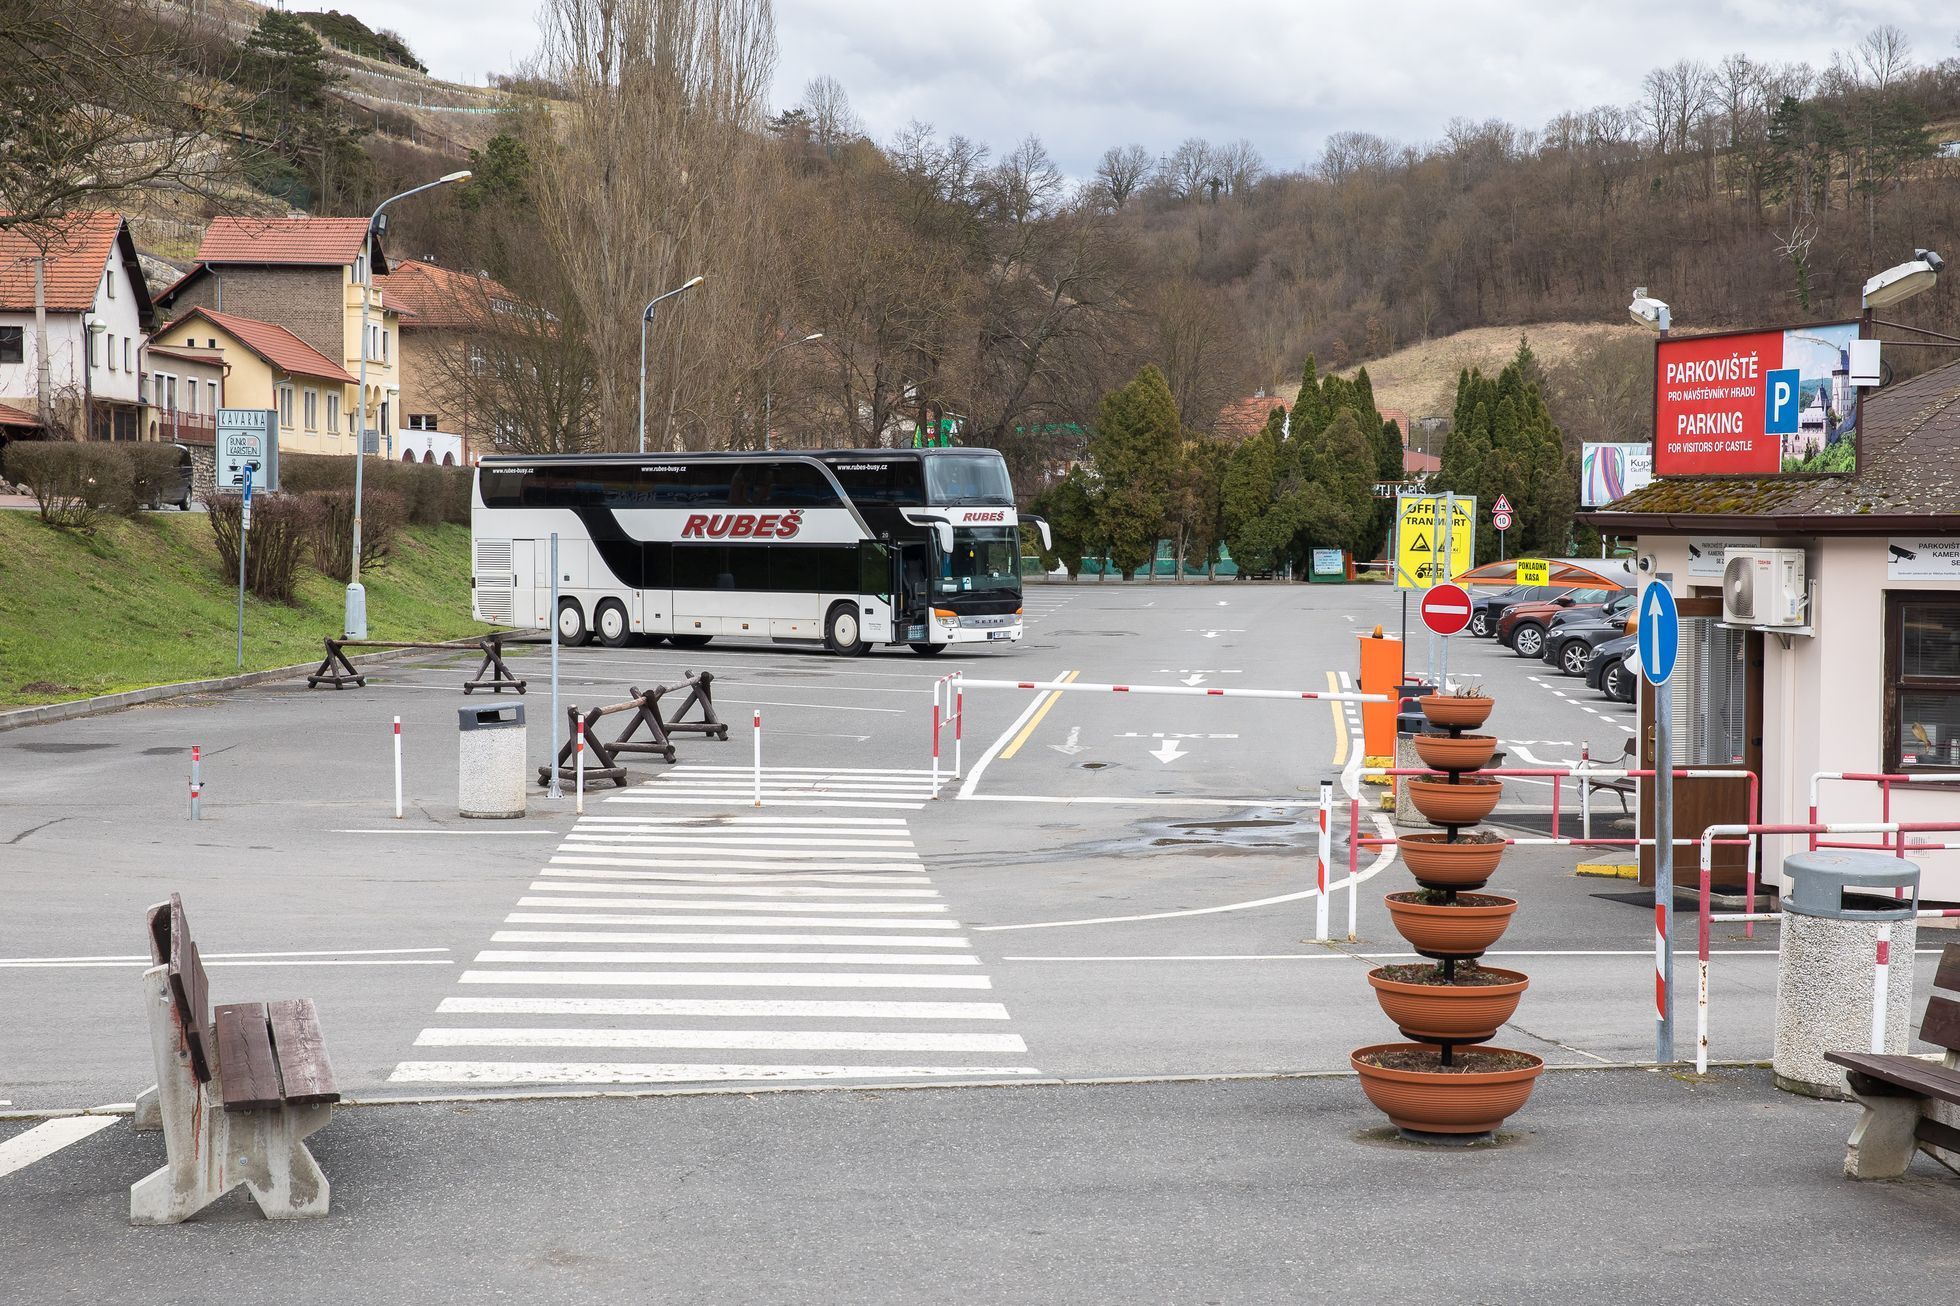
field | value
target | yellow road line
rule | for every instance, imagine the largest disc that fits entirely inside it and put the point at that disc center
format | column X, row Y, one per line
column 1054, row 695
column 1340, row 721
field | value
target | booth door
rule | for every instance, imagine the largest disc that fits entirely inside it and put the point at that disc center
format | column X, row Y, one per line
column 1718, row 722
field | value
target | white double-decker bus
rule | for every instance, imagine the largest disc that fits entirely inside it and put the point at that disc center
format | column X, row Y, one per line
column 847, row 547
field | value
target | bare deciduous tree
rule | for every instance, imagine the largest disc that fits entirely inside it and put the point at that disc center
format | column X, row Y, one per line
column 826, row 107
column 1121, row 170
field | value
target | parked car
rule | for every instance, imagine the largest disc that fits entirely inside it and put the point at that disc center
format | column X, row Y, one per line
column 1486, row 605
column 177, row 490
column 1611, row 669
column 1521, row 627
column 1577, row 631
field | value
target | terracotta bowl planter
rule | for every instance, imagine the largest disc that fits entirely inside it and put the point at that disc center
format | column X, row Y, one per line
column 1459, row 930
column 1455, row 753
column 1443, row 865
column 1464, row 803
column 1449, row 1011
column 1433, row 1102
column 1462, row 713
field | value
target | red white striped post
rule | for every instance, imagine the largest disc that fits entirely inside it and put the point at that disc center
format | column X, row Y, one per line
column 1660, row 964
column 1701, row 958
column 1881, row 982
column 959, row 722
column 197, row 784
column 758, row 757
column 1323, row 847
column 578, row 766
column 398, row 768
column 1354, row 864
column 937, row 687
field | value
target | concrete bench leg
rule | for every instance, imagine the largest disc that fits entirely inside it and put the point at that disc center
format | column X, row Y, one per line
column 148, row 1116
column 1881, row 1144
column 212, row 1151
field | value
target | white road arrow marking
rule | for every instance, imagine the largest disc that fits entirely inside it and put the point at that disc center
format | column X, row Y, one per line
column 1194, row 680
column 1168, row 751
column 1071, row 748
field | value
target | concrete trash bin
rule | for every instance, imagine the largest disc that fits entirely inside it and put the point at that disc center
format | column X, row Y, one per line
column 490, row 753
column 1839, row 906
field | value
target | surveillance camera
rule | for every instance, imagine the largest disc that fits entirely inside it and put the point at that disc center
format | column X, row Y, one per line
column 1930, row 259
column 1645, row 562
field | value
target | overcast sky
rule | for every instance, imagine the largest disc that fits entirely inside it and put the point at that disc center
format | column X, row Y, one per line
column 1087, row 74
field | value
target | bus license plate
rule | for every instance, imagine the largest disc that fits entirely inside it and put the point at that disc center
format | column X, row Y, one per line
column 1000, row 634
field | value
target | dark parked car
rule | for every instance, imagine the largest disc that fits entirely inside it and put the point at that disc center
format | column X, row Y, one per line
column 175, row 490
column 1521, row 627
column 1610, row 671
column 1576, row 632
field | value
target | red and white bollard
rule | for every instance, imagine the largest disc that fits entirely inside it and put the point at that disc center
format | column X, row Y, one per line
column 197, row 784
column 1354, row 864
column 758, row 757
column 937, row 685
column 578, row 767
column 1660, row 963
column 398, row 768
column 959, row 721
column 1881, row 983
column 1322, row 849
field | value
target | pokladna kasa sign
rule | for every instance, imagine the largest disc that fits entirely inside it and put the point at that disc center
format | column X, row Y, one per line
column 1755, row 403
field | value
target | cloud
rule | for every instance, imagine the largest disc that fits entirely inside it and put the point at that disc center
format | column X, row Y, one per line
column 1086, row 74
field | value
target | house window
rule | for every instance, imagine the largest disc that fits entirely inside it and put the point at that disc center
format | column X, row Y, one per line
column 170, row 394
column 312, row 410
column 384, row 344
column 112, row 351
column 1922, row 682
column 13, row 344
column 333, row 412
column 211, row 394
column 190, row 396
column 129, row 350
column 422, row 422
column 109, row 282
column 285, row 405
column 94, row 351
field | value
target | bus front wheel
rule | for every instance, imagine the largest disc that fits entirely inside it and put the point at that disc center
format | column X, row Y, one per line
column 928, row 650
column 572, row 631
column 841, row 632
column 614, row 629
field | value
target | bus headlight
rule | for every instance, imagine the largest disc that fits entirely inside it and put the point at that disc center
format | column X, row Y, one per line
column 946, row 616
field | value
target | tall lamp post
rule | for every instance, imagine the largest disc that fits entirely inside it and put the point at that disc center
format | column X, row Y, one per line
column 356, row 616
column 646, row 316
column 769, row 382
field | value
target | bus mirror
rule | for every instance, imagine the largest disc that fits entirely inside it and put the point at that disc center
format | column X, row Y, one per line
column 1047, row 540
column 943, row 532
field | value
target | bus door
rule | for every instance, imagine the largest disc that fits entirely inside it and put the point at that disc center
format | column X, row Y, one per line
column 877, row 612
column 912, row 590
column 530, row 583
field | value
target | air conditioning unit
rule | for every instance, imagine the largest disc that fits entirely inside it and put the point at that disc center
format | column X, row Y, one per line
column 1764, row 588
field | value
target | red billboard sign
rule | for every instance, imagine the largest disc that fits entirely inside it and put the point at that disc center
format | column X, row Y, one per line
column 1755, row 403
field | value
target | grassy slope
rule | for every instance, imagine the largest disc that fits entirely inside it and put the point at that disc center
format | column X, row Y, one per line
column 1421, row 380
column 144, row 602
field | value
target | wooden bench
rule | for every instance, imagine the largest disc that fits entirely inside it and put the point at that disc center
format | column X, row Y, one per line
column 1910, row 1104
column 1621, row 787
column 238, row 1090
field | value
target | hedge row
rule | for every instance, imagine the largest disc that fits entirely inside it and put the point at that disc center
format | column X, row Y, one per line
column 429, row 494
column 74, row 485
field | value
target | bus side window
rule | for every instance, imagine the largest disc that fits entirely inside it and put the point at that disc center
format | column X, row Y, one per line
column 874, row 568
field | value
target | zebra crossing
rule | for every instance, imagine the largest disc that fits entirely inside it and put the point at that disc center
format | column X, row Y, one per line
column 848, row 787
column 665, row 913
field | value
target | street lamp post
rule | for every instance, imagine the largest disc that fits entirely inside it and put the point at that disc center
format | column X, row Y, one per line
column 355, row 623
column 769, row 382
column 646, row 316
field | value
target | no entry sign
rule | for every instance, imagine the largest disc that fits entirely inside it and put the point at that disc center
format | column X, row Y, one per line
column 1446, row 609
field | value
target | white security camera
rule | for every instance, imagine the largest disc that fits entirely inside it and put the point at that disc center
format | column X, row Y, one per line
column 1649, row 312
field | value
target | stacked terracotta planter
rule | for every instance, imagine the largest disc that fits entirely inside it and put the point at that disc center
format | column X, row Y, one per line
column 1444, row 1084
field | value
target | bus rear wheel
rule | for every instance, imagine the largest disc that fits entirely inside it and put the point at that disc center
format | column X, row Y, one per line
column 842, row 634
column 572, row 630
column 928, row 650
column 615, row 631
column 689, row 641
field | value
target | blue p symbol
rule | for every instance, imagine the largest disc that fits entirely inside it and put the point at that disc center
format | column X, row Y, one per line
column 1783, row 405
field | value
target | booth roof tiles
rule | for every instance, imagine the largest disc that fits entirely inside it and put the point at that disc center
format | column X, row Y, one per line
column 78, row 250
column 1908, row 478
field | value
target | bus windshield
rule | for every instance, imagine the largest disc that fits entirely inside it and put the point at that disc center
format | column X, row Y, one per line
column 983, row 558
column 979, row 478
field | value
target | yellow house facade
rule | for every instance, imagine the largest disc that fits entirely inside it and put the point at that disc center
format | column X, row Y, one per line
column 268, row 366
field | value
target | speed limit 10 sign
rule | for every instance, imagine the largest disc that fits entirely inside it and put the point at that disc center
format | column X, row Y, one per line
column 1502, row 521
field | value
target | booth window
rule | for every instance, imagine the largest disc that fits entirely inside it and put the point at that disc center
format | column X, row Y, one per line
column 1922, row 682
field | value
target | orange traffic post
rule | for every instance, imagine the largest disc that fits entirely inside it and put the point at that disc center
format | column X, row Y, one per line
column 1381, row 673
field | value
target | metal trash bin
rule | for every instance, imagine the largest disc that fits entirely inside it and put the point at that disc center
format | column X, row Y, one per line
column 1837, row 909
column 490, row 752
column 1410, row 722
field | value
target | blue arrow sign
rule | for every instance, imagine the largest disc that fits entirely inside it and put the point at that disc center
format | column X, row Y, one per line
column 1659, row 632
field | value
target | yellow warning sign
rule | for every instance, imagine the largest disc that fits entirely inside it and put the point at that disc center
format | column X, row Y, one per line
column 1418, row 539
column 1534, row 571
